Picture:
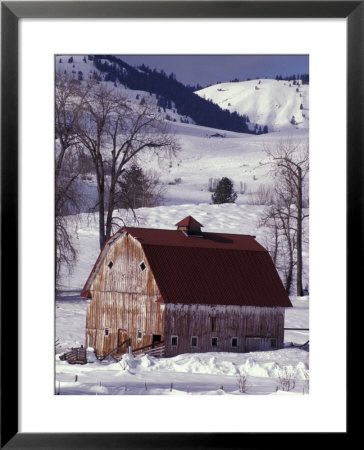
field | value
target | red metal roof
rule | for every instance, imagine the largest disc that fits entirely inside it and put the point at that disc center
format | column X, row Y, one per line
column 226, row 269
column 218, row 268
column 209, row 240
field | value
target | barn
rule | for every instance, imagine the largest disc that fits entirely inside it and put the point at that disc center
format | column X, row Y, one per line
column 194, row 291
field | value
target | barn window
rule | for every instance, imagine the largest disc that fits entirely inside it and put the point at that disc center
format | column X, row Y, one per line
column 273, row 343
column 194, row 341
column 234, row 342
column 174, row 341
column 110, row 264
column 140, row 334
column 213, row 323
column 106, row 332
column 214, row 341
column 142, row 265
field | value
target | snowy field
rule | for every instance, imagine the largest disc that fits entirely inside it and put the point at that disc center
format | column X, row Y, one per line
column 242, row 158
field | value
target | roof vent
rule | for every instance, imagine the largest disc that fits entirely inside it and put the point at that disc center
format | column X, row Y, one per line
column 190, row 227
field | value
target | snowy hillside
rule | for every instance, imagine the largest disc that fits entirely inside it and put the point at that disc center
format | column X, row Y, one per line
column 81, row 68
column 266, row 102
column 209, row 153
column 280, row 105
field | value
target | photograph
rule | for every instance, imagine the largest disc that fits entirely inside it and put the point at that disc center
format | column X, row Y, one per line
column 181, row 209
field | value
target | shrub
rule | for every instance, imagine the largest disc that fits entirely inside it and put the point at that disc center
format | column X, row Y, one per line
column 286, row 380
column 242, row 379
column 224, row 192
column 262, row 196
column 306, row 381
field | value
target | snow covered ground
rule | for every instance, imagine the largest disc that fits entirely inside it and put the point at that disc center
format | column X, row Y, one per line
column 201, row 373
column 198, row 373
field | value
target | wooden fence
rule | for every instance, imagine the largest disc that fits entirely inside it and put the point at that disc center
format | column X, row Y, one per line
column 75, row 356
column 157, row 350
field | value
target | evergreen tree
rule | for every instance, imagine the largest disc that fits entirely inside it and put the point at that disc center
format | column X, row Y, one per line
column 132, row 187
column 139, row 189
column 224, row 192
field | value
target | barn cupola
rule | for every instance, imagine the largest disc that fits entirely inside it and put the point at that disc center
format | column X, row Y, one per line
column 190, row 227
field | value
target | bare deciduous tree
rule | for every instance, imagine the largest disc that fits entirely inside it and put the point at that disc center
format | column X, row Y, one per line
column 277, row 218
column 116, row 132
column 290, row 167
column 262, row 196
column 69, row 96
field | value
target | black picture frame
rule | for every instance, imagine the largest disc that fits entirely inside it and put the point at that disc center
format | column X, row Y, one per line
column 11, row 12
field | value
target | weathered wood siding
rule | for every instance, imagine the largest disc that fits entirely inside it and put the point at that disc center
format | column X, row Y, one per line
column 185, row 321
column 123, row 300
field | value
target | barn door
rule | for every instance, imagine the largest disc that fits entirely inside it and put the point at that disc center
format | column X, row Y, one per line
column 122, row 336
column 253, row 344
column 156, row 339
column 91, row 338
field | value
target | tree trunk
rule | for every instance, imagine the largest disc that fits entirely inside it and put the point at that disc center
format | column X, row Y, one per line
column 276, row 243
column 102, row 237
column 288, row 281
column 299, row 233
column 110, row 211
column 111, row 199
column 101, row 198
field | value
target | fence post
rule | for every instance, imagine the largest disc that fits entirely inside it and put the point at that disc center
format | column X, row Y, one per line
column 130, row 350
